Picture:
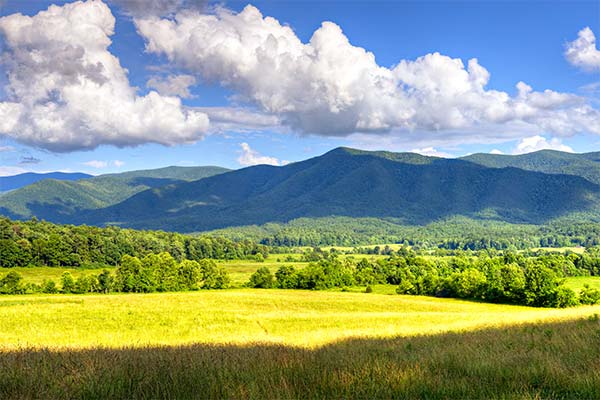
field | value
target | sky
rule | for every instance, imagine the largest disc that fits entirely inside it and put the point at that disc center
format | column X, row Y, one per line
column 103, row 87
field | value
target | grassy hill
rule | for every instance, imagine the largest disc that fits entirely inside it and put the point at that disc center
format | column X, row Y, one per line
column 17, row 181
column 56, row 200
column 411, row 188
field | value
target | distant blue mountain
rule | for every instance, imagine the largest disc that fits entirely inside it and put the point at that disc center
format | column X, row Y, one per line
column 18, row 181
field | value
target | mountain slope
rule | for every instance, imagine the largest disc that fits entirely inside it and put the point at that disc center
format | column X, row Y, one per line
column 347, row 182
column 585, row 165
column 18, row 181
column 59, row 200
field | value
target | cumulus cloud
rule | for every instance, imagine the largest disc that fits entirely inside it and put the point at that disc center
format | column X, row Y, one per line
column 582, row 52
column 99, row 164
column 535, row 143
column 250, row 157
column 496, row 151
column 146, row 8
column 66, row 91
column 172, row 85
column 330, row 87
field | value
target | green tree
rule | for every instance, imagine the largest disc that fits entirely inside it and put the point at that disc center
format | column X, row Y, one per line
column 68, row 283
column 262, row 278
column 12, row 283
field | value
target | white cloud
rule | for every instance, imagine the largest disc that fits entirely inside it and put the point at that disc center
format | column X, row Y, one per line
column 172, row 85
column 535, row 143
column 96, row 164
column 330, row 87
column 432, row 152
column 6, row 149
column 250, row 157
column 66, row 91
column 99, row 164
column 496, row 151
column 227, row 119
column 582, row 52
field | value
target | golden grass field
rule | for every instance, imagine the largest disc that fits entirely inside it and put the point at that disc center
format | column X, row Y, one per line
column 242, row 316
column 279, row 344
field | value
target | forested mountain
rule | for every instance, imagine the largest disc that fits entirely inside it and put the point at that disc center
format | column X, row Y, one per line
column 411, row 188
column 56, row 200
column 585, row 165
column 18, row 181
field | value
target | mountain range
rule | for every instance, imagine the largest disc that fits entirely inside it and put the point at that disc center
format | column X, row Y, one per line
column 13, row 182
column 59, row 200
column 411, row 188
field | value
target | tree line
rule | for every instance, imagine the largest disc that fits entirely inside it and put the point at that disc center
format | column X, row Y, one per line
column 153, row 273
column 452, row 234
column 40, row 243
column 511, row 278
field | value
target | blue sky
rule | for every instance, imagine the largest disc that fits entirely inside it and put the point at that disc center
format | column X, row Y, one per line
column 513, row 41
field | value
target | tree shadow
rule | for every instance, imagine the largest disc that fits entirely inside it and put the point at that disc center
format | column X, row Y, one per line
column 549, row 360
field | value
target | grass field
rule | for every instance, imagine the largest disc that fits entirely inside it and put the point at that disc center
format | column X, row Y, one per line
column 293, row 344
column 290, row 317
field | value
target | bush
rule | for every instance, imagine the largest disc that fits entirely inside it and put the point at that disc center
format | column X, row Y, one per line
column 564, row 297
column 49, row 286
column 68, row 283
column 287, row 278
column 589, row 295
column 12, row 283
column 368, row 289
column 262, row 279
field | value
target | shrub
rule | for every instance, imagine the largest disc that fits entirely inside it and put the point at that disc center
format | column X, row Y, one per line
column 589, row 295
column 262, row 278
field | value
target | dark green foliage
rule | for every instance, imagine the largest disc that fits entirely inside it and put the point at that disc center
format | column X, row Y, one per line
column 12, row 283
column 49, row 287
column 286, row 277
column 262, row 278
column 59, row 199
column 589, row 295
column 68, row 283
column 410, row 188
column 213, row 276
column 510, row 278
column 105, row 281
column 45, row 244
column 162, row 273
column 456, row 233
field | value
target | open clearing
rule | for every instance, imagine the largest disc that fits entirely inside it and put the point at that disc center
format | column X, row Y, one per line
column 257, row 344
column 242, row 316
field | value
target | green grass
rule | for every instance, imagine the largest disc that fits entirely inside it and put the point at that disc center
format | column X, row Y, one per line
column 38, row 274
column 293, row 344
column 576, row 282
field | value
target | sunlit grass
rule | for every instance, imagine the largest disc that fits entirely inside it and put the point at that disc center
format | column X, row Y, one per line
column 299, row 318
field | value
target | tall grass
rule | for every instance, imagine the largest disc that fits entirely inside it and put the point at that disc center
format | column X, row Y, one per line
column 559, row 360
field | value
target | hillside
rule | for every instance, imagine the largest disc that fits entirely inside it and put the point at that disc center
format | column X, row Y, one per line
column 585, row 165
column 412, row 188
column 56, row 200
column 18, row 181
